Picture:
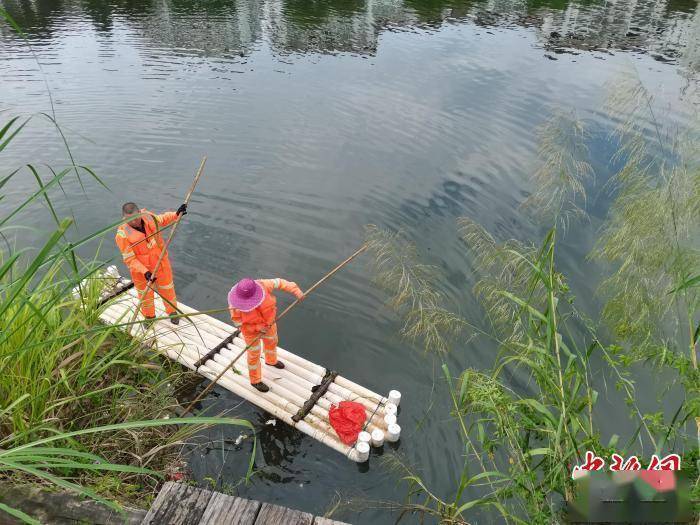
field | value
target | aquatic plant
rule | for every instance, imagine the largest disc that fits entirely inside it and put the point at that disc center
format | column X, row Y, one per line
column 520, row 442
column 650, row 237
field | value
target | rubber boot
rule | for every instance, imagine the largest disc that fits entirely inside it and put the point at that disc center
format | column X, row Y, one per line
column 278, row 364
column 174, row 320
column 261, row 387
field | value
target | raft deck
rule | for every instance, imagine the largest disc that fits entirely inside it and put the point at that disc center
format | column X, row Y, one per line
column 191, row 342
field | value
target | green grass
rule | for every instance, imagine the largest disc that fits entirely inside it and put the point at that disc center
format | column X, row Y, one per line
column 83, row 406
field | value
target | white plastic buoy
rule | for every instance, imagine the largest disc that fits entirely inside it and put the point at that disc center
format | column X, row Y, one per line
column 365, row 437
column 112, row 271
column 390, row 408
column 362, row 448
column 395, row 397
column 393, row 432
column 377, row 438
column 390, row 419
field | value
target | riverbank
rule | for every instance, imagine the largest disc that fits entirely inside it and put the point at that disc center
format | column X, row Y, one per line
column 86, row 407
column 65, row 372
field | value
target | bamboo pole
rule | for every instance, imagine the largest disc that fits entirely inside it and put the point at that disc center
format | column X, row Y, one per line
column 310, row 372
column 181, row 345
column 300, row 382
column 280, row 316
column 298, row 391
column 285, row 409
column 299, row 373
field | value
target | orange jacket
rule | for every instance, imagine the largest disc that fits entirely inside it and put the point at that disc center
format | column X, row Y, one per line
column 263, row 316
column 140, row 255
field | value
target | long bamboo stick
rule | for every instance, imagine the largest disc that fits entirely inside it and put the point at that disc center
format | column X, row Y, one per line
column 344, row 389
column 299, row 391
column 185, row 349
column 299, row 384
column 322, row 431
column 280, row 316
column 301, row 373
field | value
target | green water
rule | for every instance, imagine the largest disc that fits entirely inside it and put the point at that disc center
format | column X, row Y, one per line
column 319, row 117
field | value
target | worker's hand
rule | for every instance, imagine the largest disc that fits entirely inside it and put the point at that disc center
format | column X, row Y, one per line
column 299, row 294
column 149, row 277
column 182, row 210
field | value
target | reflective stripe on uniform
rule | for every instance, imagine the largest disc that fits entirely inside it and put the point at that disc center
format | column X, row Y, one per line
column 277, row 284
column 126, row 255
column 166, row 287
column 254, row 367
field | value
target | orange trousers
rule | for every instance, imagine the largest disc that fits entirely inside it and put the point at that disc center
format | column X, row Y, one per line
column 165, row 287
column 268, row 344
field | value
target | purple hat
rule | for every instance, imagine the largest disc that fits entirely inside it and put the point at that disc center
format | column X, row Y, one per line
column 246, row 295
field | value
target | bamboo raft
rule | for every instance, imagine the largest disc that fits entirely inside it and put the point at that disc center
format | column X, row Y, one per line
column 300, row 395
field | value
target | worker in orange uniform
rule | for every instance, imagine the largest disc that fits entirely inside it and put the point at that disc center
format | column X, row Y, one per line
column 141, row 244
column 253, row 310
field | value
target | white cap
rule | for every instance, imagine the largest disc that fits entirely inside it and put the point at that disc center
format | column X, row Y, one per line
column 390, row 408
column 364, row 437
column 377, row 437
column 393, row 432
column 362, row 448
column 395, row 397
column 390, row 419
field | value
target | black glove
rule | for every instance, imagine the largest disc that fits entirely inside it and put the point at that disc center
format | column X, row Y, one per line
column 182, row 210
column 149, row 276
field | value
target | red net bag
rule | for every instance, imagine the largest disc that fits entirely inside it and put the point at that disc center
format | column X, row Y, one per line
column 347, row 419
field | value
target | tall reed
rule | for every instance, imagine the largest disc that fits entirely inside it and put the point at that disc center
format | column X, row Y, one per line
column 82, row 405
column 521, row 442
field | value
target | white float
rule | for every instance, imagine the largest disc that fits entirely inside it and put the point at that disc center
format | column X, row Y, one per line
column 377, row 438
column 362, row 449
column 395, row 397
column 393, row 432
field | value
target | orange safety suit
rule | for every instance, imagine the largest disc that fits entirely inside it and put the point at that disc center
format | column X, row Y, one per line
column 141, row 256
column 261, row 320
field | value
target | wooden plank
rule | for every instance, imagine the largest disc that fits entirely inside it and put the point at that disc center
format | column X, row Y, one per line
column 230, row 510
column 178, row 504
column 326, row 521
column 275, row 515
